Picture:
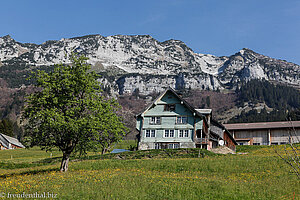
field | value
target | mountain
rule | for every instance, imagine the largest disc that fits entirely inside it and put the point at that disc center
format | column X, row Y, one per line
column 141, row 63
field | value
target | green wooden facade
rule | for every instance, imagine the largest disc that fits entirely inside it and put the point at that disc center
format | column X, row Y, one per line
column 169, row 122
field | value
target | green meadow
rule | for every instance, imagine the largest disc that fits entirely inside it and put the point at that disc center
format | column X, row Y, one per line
column 252, row 173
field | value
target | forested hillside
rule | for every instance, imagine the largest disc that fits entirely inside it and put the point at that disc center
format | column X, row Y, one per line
column 253, row 101
column 281, row 102
column 275, row 96
column 136, row 68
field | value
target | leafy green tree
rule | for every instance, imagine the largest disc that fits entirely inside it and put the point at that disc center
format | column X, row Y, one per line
column 68, row 111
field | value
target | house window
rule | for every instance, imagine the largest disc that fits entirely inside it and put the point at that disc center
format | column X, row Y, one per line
column 169, row 133
column 157, row 146
column 256, row 143
column 183, row 133
column 181, row 120
column 169, row 107
column 155, row 120
column 173, row 146
column 200, row 134
column 180, row 133
column 274, row 143
column 186, row 133
column 150, row 133
column 147, row 133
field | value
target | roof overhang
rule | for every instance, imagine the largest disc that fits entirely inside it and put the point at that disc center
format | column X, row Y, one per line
column 194, row 111
column 263, row 125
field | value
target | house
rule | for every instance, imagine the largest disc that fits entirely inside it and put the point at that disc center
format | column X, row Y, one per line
column 7, row 142
column 170, row 122
column 265, row 133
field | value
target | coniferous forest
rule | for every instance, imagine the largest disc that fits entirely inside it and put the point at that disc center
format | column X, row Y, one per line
column 283, row 100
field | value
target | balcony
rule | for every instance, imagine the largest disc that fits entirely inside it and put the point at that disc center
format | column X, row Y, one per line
column 201, row 141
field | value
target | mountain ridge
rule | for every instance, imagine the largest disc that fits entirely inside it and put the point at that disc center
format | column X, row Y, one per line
column 144, row 63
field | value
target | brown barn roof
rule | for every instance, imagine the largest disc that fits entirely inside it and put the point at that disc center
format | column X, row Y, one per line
column 263, row 125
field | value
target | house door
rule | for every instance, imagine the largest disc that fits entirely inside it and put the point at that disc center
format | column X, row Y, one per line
column 200, row 134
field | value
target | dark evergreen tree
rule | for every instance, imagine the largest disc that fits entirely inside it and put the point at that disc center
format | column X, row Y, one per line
column 6, row 127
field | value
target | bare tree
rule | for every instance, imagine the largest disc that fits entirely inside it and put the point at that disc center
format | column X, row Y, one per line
column 291, row 151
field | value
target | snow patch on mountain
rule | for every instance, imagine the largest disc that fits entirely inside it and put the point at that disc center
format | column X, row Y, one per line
column 140, row 61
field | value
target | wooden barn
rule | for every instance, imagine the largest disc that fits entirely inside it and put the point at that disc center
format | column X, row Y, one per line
column 265, row 133
column 7, row 142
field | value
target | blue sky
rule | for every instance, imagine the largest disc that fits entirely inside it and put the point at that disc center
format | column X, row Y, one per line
column 218, row 27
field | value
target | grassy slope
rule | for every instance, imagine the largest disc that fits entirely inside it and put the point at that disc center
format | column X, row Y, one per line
column 256, row 175
column 126, row 144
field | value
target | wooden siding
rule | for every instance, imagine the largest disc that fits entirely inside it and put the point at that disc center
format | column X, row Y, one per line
column 15, row 147
column 258, row 136
column 228, row 141
column 269, row 136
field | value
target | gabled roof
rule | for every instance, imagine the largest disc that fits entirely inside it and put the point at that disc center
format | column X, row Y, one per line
column 180, row 98
column 263, row 125
column 12, row 140
column 204, row 111
column 3, row 144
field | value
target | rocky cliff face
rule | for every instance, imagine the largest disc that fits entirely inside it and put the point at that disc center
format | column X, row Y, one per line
column 130, row 63
column 247, row 64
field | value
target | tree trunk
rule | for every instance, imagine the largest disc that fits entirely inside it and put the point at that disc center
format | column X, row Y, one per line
column 103, row 151
column 65, row 162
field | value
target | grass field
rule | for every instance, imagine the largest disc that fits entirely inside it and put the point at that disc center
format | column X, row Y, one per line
column 159, row 174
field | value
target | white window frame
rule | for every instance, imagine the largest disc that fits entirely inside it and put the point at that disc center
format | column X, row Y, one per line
column 179, row 120
column 157, row 146
column 186, row 133
column 166, row 136
column 180, row 132
column 173, row 145
column 169, row 133
column 155, row 121
column 183, row 133
column 146, row 133
column 151, row 132
column 173, row 133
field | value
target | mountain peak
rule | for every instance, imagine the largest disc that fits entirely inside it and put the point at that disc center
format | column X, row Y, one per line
column 143, row 62
column 245, row 50
column 7, row 38
column 84, row 37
